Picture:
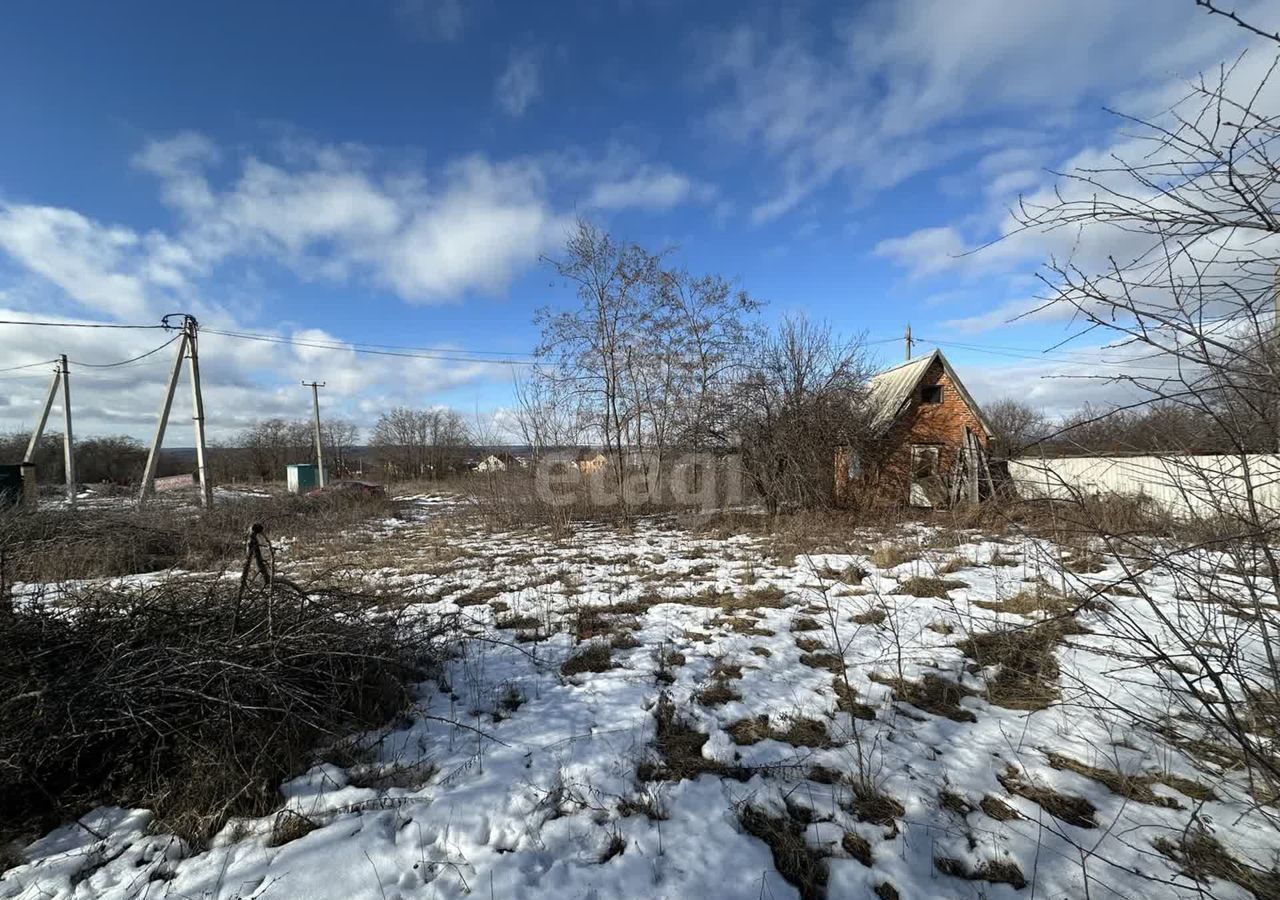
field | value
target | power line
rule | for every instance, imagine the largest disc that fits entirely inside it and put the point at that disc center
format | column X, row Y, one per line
column 73, row 324
column 125, row 362
column 451, row 356
column 44, row 362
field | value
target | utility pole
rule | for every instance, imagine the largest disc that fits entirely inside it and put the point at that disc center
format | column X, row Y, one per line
column 907, row 337
column 186, row 350
column 68, row 442
column 315, row 404
column 61, row 378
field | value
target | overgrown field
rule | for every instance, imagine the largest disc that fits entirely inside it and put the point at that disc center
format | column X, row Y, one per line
column 690, row 707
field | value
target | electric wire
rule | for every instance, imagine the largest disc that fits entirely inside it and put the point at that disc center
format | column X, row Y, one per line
column 125, row 362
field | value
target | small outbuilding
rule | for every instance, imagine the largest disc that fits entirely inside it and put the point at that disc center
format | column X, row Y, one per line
column 926, row 440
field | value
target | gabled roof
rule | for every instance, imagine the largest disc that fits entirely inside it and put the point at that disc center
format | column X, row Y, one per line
column 891, row 390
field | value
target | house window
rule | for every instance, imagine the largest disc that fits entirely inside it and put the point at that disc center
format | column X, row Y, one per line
column 931, row 393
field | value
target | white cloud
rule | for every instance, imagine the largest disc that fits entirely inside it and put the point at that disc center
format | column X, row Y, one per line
column 897, row 89
column 520, row 82
column 432, row 20
column 109, row 269
column 926, row 251
column 648, row 188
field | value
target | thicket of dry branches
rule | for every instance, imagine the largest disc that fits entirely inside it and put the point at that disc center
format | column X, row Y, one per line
column 150, row 696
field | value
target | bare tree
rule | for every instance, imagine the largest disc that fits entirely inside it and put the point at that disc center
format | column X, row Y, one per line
column 1015, row 425
column 420, row 443
column 802, row 396
column 339, row 437
column 1190, row 214
column 592, row 352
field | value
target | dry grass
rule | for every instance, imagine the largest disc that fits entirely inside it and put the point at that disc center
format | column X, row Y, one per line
column 798, row 731
column 932, row 694
column 852, row 574
column 1039, row 599
column 800, row 864
column 804, row 623
column 999, row 810
column 847, row 700
column 857, row 847
column 593, row 658
column 869, row 804
column 1069, row 808
column 809, row 645
column 1131, row 787
column 870, row 617
column 832, row 662
column 1201, row 857
column 679, row 747
column 1028, row 675
column 928, row 586
column 290, row 826
column 994, row 871
column 889, row 555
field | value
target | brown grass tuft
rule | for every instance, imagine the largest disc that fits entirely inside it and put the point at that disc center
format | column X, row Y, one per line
column 1069, row 808
column 801, row 865
column 1201, row 857
column 995, row 871
column 593, row 658
column 926, row 586
column 932, row 694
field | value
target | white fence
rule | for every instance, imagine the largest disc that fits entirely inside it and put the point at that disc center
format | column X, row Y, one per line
column 1181, row 484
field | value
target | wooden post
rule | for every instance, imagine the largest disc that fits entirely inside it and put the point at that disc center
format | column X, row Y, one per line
column 153, row 457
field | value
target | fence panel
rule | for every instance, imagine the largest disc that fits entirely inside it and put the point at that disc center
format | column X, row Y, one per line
column 1180, row 483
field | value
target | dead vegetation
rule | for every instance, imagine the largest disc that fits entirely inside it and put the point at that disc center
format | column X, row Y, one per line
column 926, row 586
column 800, row 864
column 177, row 696
column 798, row 731
column 932, row 694
column 679, row 749
column 1131, row 787
column 1027, row 677
column 593, row 658
column 1072, row 809
column 55, row 545
column 1002, row 871
column 1200, row 857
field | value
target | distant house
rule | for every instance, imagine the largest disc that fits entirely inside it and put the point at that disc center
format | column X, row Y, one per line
column 589, row 461
column 493, row 463
column 927, row 441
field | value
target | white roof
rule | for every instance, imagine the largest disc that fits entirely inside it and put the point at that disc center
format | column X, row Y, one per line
column 891, row 390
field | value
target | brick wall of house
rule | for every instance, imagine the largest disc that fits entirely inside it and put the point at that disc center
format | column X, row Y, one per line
column 888, row 476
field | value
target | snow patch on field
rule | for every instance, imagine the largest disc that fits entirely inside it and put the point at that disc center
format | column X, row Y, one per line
column 512, row 779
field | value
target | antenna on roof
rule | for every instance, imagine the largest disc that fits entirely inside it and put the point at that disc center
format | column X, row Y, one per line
column 908, row 340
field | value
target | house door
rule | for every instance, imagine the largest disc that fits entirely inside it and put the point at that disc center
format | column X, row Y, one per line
column 926, row 485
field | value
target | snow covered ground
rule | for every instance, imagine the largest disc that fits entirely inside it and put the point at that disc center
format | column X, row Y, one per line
column 599, row 734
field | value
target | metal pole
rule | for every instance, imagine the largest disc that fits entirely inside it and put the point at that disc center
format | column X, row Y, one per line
column 315, row 403
column 908, row 341
column 68, row 441
column 197, row 413
column 33, row 444
column 153, row 457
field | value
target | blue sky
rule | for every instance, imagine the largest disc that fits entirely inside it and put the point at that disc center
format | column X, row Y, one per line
column 391, row 173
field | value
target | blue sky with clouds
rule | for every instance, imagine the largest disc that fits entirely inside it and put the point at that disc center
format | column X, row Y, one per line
column 391, row 173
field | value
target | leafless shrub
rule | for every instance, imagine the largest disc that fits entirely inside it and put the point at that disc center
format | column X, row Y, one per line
column 166, row 695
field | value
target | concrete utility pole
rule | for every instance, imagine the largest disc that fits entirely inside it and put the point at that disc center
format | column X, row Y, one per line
column 61, row 377
column 186, row 350
column 907, row 337
column 315, row 404
column 68, row 442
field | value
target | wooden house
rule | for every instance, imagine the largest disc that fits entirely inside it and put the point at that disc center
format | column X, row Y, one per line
column 925, row 444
